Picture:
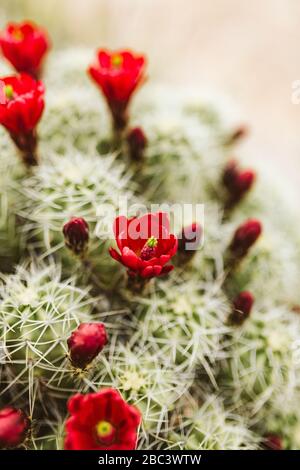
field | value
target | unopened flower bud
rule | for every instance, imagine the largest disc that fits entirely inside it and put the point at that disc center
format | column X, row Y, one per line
column 242, row 306
column 273, row 442
column 137, row 143
column 245, row 236
column 14, row 426
column 76, row 233
column 237, row 182
column 86, row 343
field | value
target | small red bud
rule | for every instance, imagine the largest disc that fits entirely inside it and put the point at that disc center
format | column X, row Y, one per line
column 14, row 426
column 273, row 442
column 137, row 143
column 242, row 306
column 76, row 233
column 190, row 239
column 237, row 182
column 245, row 236
column 85, row 343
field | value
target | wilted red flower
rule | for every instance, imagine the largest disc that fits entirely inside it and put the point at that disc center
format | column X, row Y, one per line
column 137, row 142
column 237, row 182
column 145, row 243
column 76, row 233
column 101, row 421
column 86, row 343
column 242, row 306
column 190, row 239
column 21, row 107
column 273, row 442
column 14, row 426
column 245, row 236
column 118, row 74
column 24, row 45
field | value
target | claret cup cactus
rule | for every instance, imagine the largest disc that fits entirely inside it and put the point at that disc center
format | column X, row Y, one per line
column 124, row 323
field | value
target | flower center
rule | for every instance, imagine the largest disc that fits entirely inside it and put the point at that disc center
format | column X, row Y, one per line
column 149, row 249
column 117, row 60
column 105, row 432
column 18, row 35
column 9, row 92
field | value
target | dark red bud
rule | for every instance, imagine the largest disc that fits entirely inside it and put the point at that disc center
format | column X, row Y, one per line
column 237, row 182
column 244, row 237
column 76, row 233
column 273, row 442
column 14, row 426
column 190, row 239
column 86, row 343
column 242, row 306
column 137, row 143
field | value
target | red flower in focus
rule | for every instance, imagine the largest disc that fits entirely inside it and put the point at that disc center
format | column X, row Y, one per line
column 244, row 237
column 21, row 107
column 24, row 45
column 101, row 421
column 237, row 182
column 86, row 342
column 76, row 233
column 145, row 244
column 14, row 425
column 242, row 306
column 118, row 74
column 137, row 142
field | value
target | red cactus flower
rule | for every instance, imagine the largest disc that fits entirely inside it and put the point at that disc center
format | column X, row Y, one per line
column 137, row 142
column 86, row 343
column 242, row 306
column 21, row 107
column 145, row 243
column 190, row 239
column 237, row 182
column 245, row 236
column 14, row 426
column 101, row 421
column 118, row 74
column 24, row 45
column 76, row 233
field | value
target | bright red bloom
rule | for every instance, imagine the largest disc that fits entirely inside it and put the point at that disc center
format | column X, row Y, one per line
column 76, row 233
column 14, row 425
column 24, row 45
column 145, row 243
column 237, row 182
column 21, row 107
column 242, row 306
column 245, row 236
column 101, row 421
column 118, row 74
column 137, row 142
column 86, row 342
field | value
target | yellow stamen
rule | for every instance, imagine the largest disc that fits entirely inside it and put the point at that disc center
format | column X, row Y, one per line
column 8, row 91
column 18, row 35
column 117, row 60
column 152, row 242
column 104, row 429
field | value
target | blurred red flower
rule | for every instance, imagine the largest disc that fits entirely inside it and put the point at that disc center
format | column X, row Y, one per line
column 145, row 244
column 118, row 74
column 24, row 45
column 76, row 233
column 101, row 421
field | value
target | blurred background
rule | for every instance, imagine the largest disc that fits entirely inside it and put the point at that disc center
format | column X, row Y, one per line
column 249, row 51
